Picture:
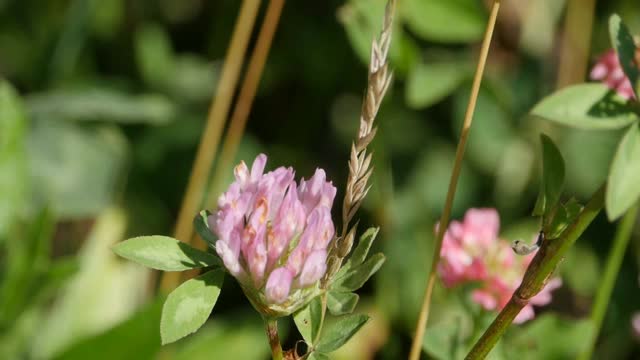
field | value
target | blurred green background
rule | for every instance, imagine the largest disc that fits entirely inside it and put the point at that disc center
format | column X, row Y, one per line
column 101, row 112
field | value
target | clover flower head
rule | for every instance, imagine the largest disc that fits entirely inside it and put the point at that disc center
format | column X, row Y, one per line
column 609, row 71
column 472, row 252
column 273, row 234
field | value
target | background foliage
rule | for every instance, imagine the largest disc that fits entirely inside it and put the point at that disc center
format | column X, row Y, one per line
column 102, row 107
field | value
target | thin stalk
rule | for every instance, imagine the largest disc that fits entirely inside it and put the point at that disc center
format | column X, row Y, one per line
column 416, row 347
column 274, row 342
column 238, row 121
column 614, row 261
column 211, row 136
column 576, row 40
column 539, row 271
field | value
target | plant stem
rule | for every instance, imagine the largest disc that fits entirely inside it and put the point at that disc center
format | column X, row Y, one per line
column 274, row 342
column 542, row 266
column 576, row 40
column 614, row 261
column 416, row 347
column 238, row 120
column 213, row 130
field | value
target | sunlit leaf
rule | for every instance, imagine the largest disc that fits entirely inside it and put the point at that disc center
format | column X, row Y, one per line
column 188, row 307
column 623, row 185
column 341, row 303
column 307, row 320
column 445, row 21
column 586, row 106
column 164, row 253
column 318, row 356
column 552, row 177
column 339, row 332
column 76, row 169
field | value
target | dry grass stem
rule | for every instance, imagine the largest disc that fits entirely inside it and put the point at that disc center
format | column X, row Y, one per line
column 360, row 169
column 416, row 347
column 213, row 131
column 238, row 121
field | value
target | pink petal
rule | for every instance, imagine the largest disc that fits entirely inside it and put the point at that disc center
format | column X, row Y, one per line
column 525, row 314
column 258, row 167
column 278, row 285
column 635, row 324
column 485, row 299
column 314, row 268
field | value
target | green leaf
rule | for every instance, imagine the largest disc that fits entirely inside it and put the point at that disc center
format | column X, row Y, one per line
column 102, row 105
column 445, row 21
column 362, row 20
column 428, row 83
column 164, row 253
column 622, row 41
column 201, row 225
column 189, row 306
column 440, row 340
column 582, row 270
column 230, row 336
column 340, row 303
column 586, row 106
column 318, row 356
column 154, row 55
column 77, row 169
column 13, row 169
column 550, row 337
column 339, row 332
column 135, row 338
column 564, row 215
column 552, row 177
column 356, row 277
column 362, row 249
column 623, row 185
column 308, row 319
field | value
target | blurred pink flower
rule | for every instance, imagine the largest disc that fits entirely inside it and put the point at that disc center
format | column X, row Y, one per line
column 608, row 70
column 273, row 233
column 635, row 323
column 472, row 252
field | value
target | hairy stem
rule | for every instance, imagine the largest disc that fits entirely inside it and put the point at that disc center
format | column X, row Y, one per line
column 213, row 130
column 541, row 268
column 614, row 261
column 457, row 166
column 274, row 342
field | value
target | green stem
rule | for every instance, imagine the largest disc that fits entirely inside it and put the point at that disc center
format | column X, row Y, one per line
column 541, row 268
column 274, row 342
column 620, row 242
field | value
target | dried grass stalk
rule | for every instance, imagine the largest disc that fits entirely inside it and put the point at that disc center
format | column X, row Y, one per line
column 360, row 169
